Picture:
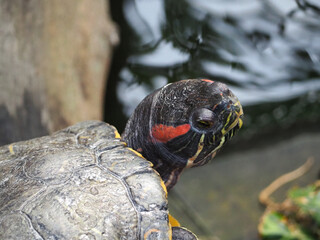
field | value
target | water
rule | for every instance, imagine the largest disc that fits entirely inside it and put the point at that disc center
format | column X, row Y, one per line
column 267, row 51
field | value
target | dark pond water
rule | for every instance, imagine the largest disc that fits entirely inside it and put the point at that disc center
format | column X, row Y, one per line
column 267, row 51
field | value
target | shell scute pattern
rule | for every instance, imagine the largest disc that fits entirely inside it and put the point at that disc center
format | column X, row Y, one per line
column 20, row 225
column 147, row 195
column 123, row 166
column 68, row 176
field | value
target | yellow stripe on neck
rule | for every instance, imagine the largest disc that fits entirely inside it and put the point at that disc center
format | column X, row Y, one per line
column 194, row 157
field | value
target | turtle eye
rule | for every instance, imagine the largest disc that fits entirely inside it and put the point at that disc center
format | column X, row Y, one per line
column 204, row 124
column 203, row 119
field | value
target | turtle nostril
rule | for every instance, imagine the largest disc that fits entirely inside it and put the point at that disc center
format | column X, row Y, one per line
column 229, row 104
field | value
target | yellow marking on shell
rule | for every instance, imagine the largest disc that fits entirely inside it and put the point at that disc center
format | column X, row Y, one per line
column 139, row 155
column 194, row 157
column 149, row 232
column 164, row 187
column 170, row 232
column 84, row 137
column 11, row 149
column 116, row 134
column 135, row 152
column 173, row 221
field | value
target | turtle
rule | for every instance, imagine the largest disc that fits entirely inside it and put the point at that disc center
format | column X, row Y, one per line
column 88, row 182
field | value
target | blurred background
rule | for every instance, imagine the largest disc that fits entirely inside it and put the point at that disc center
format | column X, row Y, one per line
column 63, row 62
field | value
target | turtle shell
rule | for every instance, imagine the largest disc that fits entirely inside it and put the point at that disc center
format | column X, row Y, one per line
column 80, row 183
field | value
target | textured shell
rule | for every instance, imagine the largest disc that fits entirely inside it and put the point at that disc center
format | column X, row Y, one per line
column 80, row 183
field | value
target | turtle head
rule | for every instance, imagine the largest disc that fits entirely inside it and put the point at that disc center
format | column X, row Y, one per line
column 183, row 125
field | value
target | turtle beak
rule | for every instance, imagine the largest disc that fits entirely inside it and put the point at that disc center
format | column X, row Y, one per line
column 233, row 118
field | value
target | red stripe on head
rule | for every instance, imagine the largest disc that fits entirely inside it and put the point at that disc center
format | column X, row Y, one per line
column 207, row 80
column 163, row 133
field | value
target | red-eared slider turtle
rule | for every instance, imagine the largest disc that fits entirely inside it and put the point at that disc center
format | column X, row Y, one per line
column 83, row 182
